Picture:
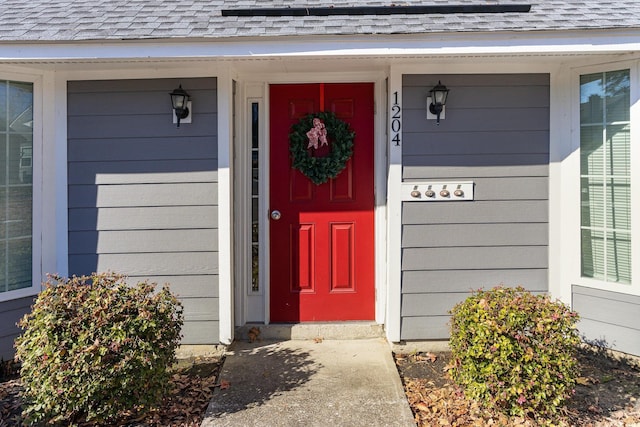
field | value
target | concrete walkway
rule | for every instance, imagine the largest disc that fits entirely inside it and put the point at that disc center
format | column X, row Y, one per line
column 306, row 383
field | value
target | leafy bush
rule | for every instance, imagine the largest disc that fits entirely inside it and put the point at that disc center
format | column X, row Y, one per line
column 94, row 347
column 514, row 351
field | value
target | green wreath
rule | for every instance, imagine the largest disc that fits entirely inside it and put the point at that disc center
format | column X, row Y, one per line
column 340, row 140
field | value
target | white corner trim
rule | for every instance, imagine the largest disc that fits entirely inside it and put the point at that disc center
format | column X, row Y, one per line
column 58, row 144
column 225, row 225
column 380, row 209
column 394, row 216
column 560, row 148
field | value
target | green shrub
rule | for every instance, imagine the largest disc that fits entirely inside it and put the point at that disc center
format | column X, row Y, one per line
column 514, row 351
column 94, row 347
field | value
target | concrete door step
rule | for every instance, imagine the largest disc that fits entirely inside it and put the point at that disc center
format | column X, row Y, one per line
column 309, row 331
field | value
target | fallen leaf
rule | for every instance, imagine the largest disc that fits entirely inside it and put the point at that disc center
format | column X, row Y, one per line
column 317, row 340
column 422, row 406
column 224, row 385
column 583, row 380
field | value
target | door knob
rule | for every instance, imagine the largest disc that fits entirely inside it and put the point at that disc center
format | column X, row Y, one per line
column 276, row 215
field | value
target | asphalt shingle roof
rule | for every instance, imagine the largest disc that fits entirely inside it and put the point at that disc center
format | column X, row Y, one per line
column 75, row 20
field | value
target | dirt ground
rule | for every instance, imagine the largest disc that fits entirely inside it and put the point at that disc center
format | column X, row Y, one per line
column 607, row 393
column 193, row 383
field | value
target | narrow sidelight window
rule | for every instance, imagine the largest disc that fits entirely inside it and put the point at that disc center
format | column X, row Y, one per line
column 605, row 176
column 16, row 189
column 255, row 220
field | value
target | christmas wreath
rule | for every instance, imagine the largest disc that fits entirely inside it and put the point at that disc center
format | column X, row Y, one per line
column 315, row 130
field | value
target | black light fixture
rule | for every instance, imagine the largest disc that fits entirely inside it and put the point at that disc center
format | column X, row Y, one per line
column 439, row 95
column 179, row 99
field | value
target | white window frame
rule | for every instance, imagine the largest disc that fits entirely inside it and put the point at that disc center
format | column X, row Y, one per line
column 573, row 200
column 37, row 162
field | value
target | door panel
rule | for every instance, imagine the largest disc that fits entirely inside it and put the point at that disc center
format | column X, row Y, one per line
column 322, row 247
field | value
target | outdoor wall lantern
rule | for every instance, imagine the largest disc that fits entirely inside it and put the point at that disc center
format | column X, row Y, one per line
column 438, row 99
column 180, row 104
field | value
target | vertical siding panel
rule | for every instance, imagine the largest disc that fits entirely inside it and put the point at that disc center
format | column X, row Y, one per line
column 134, row 175
column 496, row 133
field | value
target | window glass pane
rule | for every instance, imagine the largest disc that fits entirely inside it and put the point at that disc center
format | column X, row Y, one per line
column 254, row 208
column 618, row 150
column 592, row 201
column 592, row 254
column 617, row 96
column 254, row 232
column 3, row 219
column 591, row 150
column 591, row 105
column 3, row 106
column 3, row 266
column 18, row 213
column 254, row 181
column 618, row 204
column 19, row 264
column 3, row 158
column 16, row 192
column 19, row 159
column 255, row 269
column 619, row 257
column 20, row 117
column 254, row 126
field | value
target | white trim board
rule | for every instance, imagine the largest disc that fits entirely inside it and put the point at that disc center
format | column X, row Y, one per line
column 225, row 206
column 40, row 202
column 571, row 183
column 252, row 86
column 542, row 42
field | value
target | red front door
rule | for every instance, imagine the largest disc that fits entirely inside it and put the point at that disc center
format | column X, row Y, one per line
column 322, row 247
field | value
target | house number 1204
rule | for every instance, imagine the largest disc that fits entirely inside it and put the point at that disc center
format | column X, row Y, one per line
column 396, row 120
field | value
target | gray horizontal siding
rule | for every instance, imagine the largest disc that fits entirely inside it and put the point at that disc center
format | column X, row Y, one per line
column 10, row 313
column 142, row 172
column 435, row 281
column 203, row 332
column 143, row 241
column 496, row 134
column 482, row 120
column 477, row 212
column 608, row 318
column 425, row 327
column 143, row 264
column 437, row 142
column 501, row 234
column 141, row 149
column 474, row 258
column 145, row 218
column 508, row 81
column 143, row 193
column 191, row 286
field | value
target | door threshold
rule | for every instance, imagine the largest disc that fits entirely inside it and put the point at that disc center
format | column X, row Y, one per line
column 310, row 331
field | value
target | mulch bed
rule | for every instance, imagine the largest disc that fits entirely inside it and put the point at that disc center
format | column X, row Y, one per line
column 193, row 383
column 607, row 393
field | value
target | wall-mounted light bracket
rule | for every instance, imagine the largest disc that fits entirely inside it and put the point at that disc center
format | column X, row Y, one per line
column 185, row 119
column 437, row 100
column 181, row 106
column 433, row 116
